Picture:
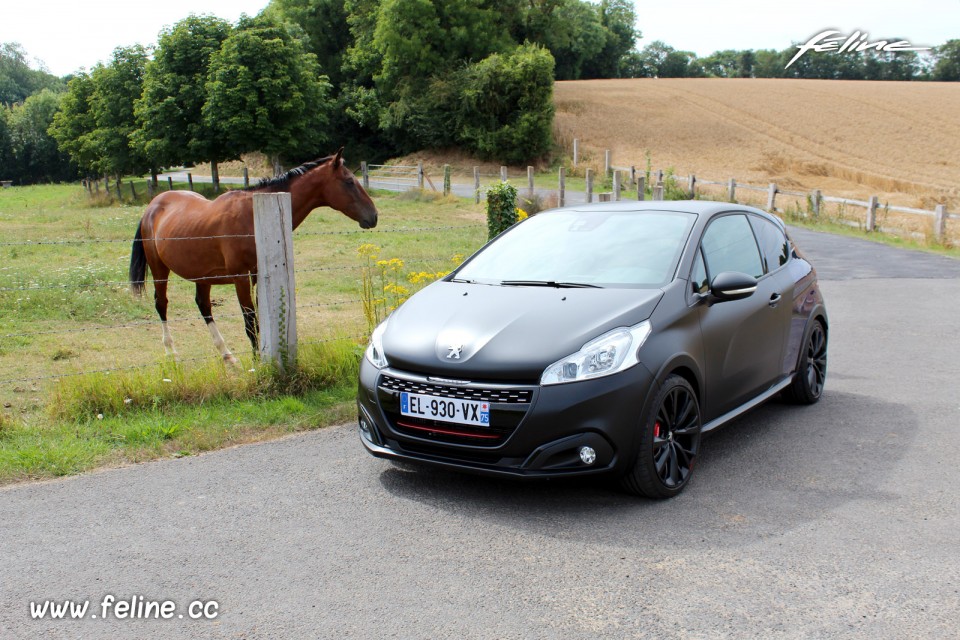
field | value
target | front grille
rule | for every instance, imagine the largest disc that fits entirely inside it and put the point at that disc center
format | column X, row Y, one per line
column 508, row 406
column 505, row 396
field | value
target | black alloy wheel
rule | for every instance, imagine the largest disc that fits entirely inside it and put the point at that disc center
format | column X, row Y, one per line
column 669, row 443
column 807, row 386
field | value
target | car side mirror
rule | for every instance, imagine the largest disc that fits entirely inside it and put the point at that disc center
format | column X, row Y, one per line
column 732, row 285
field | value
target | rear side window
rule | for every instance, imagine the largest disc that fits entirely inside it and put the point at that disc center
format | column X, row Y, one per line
column 772, row 241
column 728, row 245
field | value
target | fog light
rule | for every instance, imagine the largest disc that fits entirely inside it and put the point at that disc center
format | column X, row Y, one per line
column 365, row 427
column 588, row 455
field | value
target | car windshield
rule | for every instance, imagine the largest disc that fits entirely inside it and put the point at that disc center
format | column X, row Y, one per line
column 592, row 248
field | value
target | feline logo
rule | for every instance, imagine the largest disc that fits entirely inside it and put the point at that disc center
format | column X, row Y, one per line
column 856, row 42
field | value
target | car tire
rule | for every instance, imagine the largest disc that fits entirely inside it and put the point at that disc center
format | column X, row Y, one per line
column 669, row 442
column 807, row 385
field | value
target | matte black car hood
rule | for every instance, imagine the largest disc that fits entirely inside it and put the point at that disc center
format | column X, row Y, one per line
column 504, row 333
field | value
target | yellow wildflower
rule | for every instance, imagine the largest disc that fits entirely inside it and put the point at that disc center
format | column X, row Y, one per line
column 521, row 214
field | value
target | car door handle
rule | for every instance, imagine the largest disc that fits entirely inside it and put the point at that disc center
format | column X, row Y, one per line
column 775, row 299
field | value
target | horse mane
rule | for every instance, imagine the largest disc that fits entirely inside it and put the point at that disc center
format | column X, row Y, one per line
column 267, row 184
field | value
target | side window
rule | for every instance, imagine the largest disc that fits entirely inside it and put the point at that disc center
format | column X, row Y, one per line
column 698, row 277
column 773, row 244
column 728, row 245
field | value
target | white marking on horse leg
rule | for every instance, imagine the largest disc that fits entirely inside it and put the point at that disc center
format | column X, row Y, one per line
column 168, row 340
column 219, row 343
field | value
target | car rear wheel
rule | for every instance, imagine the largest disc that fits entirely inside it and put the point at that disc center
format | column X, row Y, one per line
column 669, row 442
column 807, row 385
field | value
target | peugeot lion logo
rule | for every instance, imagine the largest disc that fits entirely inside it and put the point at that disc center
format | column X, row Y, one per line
column 455, row 350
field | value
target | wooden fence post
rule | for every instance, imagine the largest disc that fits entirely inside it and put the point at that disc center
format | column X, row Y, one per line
column 641, row 188
column 503, row 174
column 576, row 152
column 657, row 191
column 872, row 213
column 106, row 184
column 420, row 176
column 476, row 185
column 561, row 194
column 589, row 179
column 276, row 292
column 692, row 186
column 771, row 197
column 633, row 175
column 446, row 179
column 190, row 180
column 365, row 174
column 616, row 185
column 150, row 189
column 659, row 176
column 732, row 190
column 940, row 222
column 815, row 200
column 246, row 178
column 96, row 186
column 607, row 162
column 530, row 181
column 133, row 190
column 170, row 182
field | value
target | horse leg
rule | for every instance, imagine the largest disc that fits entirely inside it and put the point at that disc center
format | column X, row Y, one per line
column 250, row 324
column 160, row 275
column 206, row 312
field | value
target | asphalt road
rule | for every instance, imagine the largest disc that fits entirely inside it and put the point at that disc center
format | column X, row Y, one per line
column 836, row 520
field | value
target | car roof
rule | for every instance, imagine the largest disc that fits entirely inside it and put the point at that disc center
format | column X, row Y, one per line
column 704, row 208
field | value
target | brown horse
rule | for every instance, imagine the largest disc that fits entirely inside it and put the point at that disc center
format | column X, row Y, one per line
column 212, row 242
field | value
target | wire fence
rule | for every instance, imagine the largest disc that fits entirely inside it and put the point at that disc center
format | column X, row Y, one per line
column 9, row 340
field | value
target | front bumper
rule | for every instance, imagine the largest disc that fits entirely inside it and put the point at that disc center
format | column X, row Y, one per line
column 543, row 440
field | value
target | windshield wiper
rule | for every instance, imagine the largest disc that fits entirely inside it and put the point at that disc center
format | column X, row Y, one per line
column 462, row 280
column 548, row 283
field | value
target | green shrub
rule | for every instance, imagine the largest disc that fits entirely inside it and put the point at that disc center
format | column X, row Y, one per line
column 501, row 208
column 504, row 105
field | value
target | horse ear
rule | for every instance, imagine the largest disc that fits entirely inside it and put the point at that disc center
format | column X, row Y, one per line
column 339, row 159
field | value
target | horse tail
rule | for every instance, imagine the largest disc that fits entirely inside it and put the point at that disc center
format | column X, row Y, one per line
column 138, row 264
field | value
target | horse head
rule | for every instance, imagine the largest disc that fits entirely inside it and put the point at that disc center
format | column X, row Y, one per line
column 345, row 193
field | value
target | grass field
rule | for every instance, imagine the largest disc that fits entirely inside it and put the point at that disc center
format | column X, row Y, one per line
column 66, row 309
column 897, row 140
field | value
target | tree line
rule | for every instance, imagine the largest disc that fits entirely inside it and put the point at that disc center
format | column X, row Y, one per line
column 383, row 77
column 658, row 59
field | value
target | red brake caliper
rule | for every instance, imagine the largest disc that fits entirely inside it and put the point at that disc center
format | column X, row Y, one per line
column 656, row 429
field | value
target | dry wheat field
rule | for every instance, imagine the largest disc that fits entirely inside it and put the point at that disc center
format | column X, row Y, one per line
column 897, row 140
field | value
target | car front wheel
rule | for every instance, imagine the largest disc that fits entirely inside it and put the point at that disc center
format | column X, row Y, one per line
column 669, row 442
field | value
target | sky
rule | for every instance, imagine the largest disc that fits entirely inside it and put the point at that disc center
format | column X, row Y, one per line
column 69, row 35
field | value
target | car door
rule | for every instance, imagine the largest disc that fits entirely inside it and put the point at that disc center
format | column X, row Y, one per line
column 742, row 339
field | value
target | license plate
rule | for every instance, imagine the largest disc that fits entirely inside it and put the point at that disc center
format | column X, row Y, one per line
column 416, row 405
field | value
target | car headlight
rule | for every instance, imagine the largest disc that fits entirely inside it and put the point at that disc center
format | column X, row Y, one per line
column 374, row 351
column 611, row 353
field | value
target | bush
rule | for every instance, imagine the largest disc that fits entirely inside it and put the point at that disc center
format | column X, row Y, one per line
column 501, row 208
column 504, row 105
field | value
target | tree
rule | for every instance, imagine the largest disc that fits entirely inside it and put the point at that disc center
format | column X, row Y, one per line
column 35, row 153
column 324, row 23
column 265, row 93
column 618, row 18
column 116, row 87
column 768, row 63
column 171, row 128
column 722, row 64
column 947, row 65
column 17, row 79
column 6, row 149
column 572, row 30
column 73, row 126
